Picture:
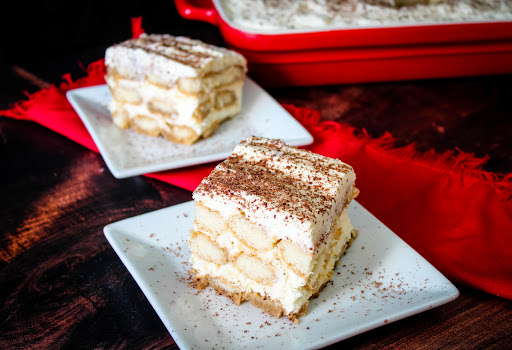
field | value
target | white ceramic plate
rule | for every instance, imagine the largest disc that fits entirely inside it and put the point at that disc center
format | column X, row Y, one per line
column 380, row 280
column 128, row 153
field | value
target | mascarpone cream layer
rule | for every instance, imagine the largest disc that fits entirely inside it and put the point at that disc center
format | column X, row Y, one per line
column 288, row 288
column 183, row 106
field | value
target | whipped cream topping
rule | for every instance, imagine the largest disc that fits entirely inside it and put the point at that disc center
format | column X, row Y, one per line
column 291, row 193
column 169, row 57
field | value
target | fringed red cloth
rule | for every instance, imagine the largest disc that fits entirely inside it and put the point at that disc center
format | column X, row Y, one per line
column 445, row 206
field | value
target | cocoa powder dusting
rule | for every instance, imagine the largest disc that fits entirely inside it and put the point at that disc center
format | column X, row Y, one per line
column 178, row 49
column 254, row 179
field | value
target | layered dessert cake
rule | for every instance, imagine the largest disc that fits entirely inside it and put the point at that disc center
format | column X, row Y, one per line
column 271, row 224
column 176, row 87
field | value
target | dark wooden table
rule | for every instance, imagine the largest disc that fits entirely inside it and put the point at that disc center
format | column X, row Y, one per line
column 64, row 287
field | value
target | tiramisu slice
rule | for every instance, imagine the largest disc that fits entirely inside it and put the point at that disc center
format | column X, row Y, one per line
column 270, row 225
column 173, row 86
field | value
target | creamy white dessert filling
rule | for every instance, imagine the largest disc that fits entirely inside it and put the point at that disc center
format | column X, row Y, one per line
column 288, row 288
column 180, row 107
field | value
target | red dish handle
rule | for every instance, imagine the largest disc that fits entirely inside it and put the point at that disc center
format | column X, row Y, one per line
column 200, row 10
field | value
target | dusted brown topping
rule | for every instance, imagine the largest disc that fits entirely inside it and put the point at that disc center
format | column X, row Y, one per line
column 264, row 174
column 241, row 181
column 300, row 157
column 186, row 51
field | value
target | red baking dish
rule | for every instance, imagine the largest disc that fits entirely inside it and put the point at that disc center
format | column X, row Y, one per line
column 364, row 54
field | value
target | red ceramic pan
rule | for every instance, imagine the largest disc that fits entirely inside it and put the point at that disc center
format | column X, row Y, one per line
column 363, row 54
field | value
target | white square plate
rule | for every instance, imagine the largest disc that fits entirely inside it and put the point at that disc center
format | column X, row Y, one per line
column 380, row 280
column 128, row 153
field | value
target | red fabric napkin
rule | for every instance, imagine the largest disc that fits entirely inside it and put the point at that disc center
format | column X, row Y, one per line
column 456, row 215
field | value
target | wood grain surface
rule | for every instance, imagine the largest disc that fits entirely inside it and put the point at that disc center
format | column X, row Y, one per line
column 62, row 285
